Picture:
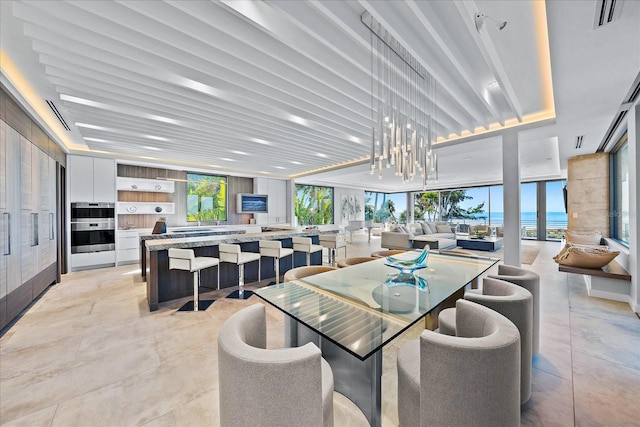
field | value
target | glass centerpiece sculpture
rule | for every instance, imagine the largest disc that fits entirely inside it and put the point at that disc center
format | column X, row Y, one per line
column 407, row 275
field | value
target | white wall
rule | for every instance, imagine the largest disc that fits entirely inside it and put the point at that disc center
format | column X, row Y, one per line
column 338, row 193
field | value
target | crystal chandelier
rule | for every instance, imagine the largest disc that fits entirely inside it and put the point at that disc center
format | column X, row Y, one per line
column 403, row 108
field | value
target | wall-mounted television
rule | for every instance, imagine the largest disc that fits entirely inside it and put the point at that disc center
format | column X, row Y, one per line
column 252, row 203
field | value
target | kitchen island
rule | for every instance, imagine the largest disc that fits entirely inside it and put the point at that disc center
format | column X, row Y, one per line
column 165, row 285
column 180, row 232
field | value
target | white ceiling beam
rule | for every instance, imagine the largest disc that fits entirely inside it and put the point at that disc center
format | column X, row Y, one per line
column 467, row 10
column 451, row 121
column 443, row 80
column 473, row 84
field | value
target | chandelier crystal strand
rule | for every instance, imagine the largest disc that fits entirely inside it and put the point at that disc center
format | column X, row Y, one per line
column 403, row 103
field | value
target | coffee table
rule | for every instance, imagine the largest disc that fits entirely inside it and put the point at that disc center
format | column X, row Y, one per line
column 485, row 244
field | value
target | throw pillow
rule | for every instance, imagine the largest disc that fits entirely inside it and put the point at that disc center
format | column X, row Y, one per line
column 443, row 228
column 400, row 229
column 585, row 256
column 425, row 228
column 583, row 237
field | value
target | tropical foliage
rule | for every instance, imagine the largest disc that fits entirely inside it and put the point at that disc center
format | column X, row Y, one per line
column 206, row 197
column 379, row 208
column 445, row 205
column 313, row 205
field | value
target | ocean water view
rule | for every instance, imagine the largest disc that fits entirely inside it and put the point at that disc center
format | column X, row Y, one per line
column 554, row 219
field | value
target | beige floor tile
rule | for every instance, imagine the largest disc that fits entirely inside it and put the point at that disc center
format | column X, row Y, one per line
column 551, row 402
column 616, row 340
column 90, row 350
column 41, row 418
column 606, row 394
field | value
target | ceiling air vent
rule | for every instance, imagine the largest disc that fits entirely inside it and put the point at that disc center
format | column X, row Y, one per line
column 579, row 141
column 606, row 12
column 58, row 115
column 629, row 99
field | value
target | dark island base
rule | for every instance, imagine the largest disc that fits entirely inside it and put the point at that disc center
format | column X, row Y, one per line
column 166, row 285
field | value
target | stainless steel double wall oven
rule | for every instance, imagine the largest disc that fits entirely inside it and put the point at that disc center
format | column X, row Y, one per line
column 93, row 227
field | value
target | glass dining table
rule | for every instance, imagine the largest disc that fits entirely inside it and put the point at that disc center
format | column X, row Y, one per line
column 352, row 313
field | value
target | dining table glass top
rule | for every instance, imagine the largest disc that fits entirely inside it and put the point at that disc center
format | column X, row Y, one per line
column 363, row 307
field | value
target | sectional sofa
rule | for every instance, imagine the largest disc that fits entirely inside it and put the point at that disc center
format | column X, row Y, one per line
column 438, row 235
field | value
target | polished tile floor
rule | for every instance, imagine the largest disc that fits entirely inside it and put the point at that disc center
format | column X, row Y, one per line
column 89, row 353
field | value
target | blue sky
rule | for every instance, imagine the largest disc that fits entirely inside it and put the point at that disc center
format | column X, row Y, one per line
column 555, row 201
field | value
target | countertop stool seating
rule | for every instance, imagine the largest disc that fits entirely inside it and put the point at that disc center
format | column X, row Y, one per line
column 354, row 261
column 304, row 244
column 274, row 249
column 232, row 254
column 185, row 259
column 333, row 242
column 513, row 302
column 438, row 380
column 531, row 282
column 384, row 254
column 288, row 387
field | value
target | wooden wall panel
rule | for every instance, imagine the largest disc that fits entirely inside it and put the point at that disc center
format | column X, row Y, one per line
column 235, row 185
column 39, row 138
column 17, row 118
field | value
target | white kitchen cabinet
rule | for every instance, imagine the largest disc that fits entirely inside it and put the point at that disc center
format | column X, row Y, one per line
column 104, row 180
column 91, row 179
column 128, row 246
column 276, row 189
column 146, row 185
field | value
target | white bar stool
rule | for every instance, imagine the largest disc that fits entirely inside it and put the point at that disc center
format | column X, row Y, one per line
column 185, row 259
column 304, row 244
column 274, row 249
column 333, row 242
column 232, row 254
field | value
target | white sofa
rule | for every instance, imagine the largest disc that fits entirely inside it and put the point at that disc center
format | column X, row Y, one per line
column 438, row 235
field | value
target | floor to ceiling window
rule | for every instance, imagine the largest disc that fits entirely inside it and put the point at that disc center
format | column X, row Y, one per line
column 313, row 204
column 620, row 196
column 385, row 207
column 556, row 215
column 529, row 210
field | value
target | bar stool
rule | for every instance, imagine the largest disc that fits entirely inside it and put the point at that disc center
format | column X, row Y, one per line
column 232, row 254
column 185, row 259
column 304, row 244
column 333, row 242
column 274, row 249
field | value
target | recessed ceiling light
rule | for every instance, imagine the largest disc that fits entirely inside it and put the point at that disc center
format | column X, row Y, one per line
column 226, row 159
column 297, row 119
column 493, row 85
column 260, row 141
column 89, row 126
column 279, row 167
column 242, row 153
column 295, row 163
column 355, row 139
column 156, row 138
column 152, row 148
column 324, row 156
column 96, row 140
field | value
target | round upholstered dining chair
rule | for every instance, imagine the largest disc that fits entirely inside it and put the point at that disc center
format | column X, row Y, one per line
column 259, row 387
column 472, row 378
column 513, row 302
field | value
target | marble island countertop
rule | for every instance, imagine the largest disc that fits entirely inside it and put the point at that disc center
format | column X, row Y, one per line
column 173, row 233
column 213, row 240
